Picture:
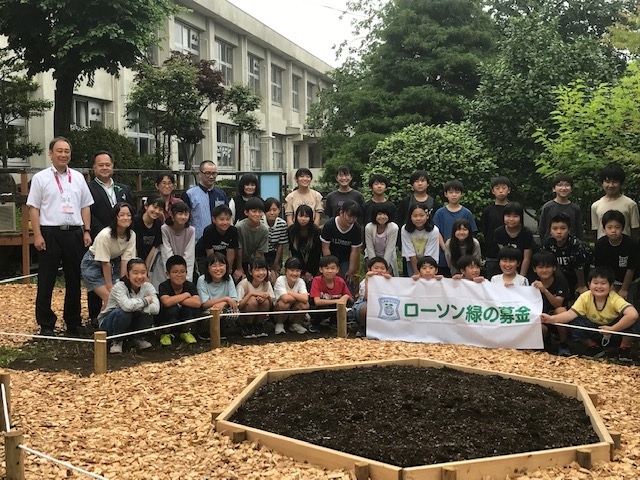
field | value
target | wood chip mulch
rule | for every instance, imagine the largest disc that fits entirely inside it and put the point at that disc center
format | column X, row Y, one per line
column 153, row 421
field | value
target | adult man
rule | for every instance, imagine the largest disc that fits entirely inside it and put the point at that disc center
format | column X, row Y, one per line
column 204, row 197
column 59, row 202
column 106, row 193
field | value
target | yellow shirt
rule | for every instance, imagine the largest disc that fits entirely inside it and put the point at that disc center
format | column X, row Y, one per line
column 614, row 305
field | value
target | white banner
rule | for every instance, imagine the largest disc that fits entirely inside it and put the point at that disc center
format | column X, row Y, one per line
column 454, row 311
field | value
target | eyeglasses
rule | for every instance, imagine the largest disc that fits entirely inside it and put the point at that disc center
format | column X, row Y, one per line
column 209, row 174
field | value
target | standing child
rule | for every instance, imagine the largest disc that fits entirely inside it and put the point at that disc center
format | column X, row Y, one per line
column 132, row 303
column 216, row 290
column 509, row 259
column 277, row 237
column 617, row 251
column 612, row 177
column 343, row 194
column 427, row 269
column 514, row 234
column 291, row 295
column 492, row 218
column 328, row 289
column 381, row 236
column 255, row 295
column 248, row 187
column 375, row 266
column 469, row 269
column 147, row 225
column 179, row 301
column 420, row 237
column 253, row 236
column 562, row 187
column 445, row 217
column 303, row 195
column 220, row 236
column 178, row 238
column 603, row 309
column 461, row 243
column 305, row 244
column 378, row 184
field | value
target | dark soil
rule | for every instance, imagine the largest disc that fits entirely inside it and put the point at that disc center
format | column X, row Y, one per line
column 409, row 416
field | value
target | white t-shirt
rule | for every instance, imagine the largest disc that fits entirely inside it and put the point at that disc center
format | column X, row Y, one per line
column 245, row 286
column 519, row 281
column 624, row 204
column 282, row 286
column 105, row 248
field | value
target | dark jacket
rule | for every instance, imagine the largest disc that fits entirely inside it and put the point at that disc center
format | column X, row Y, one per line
column 101, row 209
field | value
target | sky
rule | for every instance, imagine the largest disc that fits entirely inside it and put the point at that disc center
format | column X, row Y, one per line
column 315, row 25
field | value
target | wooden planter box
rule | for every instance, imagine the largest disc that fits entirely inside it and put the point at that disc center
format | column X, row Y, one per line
column 494, row 467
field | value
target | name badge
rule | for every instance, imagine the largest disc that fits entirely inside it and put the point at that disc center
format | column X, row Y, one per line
column 67, row 209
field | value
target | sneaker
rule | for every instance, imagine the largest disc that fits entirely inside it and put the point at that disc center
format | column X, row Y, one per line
column 594, row 351
column 247, row 332
column 307, row 317
column 296, row 327
column 187, row 337
column 314, row 328
column 624, row 355
column 141, row 344
column 260, row 330
column 77, row 331
column 47, row 332
column 325, row 321
column 116, row 346
column 165, row 339
column 204, row 335
column 280, row 328
column 563, row 351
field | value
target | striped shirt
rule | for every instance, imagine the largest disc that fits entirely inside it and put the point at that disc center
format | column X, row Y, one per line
column 277, row 233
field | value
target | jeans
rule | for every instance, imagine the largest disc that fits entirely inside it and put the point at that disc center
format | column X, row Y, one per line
column 118, row 321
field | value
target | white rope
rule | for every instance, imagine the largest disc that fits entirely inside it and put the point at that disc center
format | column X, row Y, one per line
column 597, row 330
column 60, row 462
column 9, row 280
column 5, row 409
column 48, row 337
column 153, row 329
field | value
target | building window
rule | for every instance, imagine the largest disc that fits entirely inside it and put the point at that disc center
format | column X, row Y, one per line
column 225, row 146
column 140, row 134
column 278, row 153
column 254, row 74
column 81, row 113
column 276, row 85
column 187, row 39
column 315, row 156
column 225, row 61
column 88, row 113
column 296, row 156
column 295, row 93
column 311, row 95
column 255, row 155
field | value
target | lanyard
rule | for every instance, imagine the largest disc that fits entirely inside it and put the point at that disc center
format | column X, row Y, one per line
column 58, row 180
column 110, row 191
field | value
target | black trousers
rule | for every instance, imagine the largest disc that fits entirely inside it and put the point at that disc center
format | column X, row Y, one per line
column 66, row 246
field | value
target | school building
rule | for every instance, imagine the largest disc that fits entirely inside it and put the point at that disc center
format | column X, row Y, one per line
column 287, row 77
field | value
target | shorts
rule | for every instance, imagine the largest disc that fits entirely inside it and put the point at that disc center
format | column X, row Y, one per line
column 578, row 334
column 358, row 306
column 92, row 271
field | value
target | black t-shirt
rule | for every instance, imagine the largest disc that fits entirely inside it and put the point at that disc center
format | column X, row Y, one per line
column 559, row 288
column 492, row 218
column 213, row 239
column 572, row 256
column 619, row 258
column 522, row 241
column 165, row 288
column 341, row 242
column 146, row 238
column 408, row 202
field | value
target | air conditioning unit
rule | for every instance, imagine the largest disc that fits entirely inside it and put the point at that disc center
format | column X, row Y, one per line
column 8, row 217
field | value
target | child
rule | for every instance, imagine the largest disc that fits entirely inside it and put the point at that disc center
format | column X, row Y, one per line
column 147, row 225
column 255, row 295
column 253, row 236
column 342, row 236
column 165, row 184
column 461, row 243
column 572, row 255
column 514, row 234
column 132, row 303
column 427, row 269
column 107, row 257
column 305, row 244
column 375, row 266
column 617, row 251
column 328, row 289
column 291, row 295
column 419, row 181
column 420, row 237
column 216, row 290
column 381, row 236
column 562, row 187
column 445, row 217
column 555, row 292
column 612, row 177
column 220, row 236
column 469, row 269
column 378, row 184
column 179, row 300
column 248, row 187
column 600, row 308
column 344, row 193
column 303, row 195
column 277, row 237
column 179, row 238
column 492, row 218
column 509, row 259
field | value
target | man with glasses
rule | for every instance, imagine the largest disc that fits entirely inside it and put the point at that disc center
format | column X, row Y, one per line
column 204, row 197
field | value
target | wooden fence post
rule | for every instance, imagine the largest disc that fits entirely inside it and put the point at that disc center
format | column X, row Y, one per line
column 100, row 352
column 14, row 456
column 342, row 319
column 5, row 379
column 214, row 328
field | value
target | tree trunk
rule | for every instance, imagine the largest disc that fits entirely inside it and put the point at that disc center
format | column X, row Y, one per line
column 62, row 113
column 4, row 142
column 239, row 151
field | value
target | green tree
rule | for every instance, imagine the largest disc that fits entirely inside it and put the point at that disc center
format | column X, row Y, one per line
column 444, row 151
column 173, row 97
column 17, row 102
column 418, row 64
column 625, row 33
column 239, row 103
column 74, row 39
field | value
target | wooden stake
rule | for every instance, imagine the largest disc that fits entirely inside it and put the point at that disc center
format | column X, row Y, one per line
column 100, row 352
column 214, row 328
column 250, row 379
column 342, row 319
column 449, row 473
column 361, row 470
column 617, row 437
column 215, row 414
column 583, row 457
column 5, row 379
column 238, row 436
column 14, row 455
column 594, row 398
